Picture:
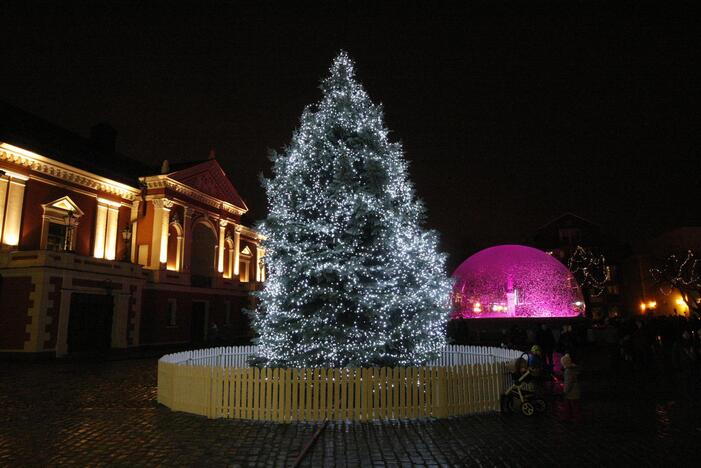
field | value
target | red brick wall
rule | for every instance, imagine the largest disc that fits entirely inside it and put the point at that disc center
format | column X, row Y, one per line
column 154, row 315
column 14, row 297
column 145, row 227
column 37, row 193
column 53, row 312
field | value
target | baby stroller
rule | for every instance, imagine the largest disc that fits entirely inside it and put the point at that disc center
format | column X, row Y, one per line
column 520, row 392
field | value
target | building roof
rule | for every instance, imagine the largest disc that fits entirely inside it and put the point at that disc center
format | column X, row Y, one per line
column 565, row 216
column 22, row 129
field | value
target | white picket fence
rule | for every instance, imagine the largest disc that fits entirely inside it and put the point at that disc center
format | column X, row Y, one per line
column 237, row 356
column 219, row 383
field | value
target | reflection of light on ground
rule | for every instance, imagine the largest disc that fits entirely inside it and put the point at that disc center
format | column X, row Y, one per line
column 515, row 281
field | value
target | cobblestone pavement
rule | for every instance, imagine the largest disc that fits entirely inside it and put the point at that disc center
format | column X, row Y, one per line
column 105, row 413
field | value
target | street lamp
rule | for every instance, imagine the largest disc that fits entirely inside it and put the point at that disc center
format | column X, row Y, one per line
column 126, row 236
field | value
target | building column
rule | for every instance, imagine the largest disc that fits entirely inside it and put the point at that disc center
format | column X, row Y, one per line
column 220, row 252
column 100, row 225
column 261, row 266
column 187, row 222
column 12, row 216
column 134, row 226
column 237, row 248
column 4, row 183
column 259, row 255
column 159, row 236
column 179, row 254
column 260, row 274
column 111, row 232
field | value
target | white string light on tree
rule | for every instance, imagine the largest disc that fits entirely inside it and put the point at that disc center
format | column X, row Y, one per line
column 590, row 269
column 353, row 278
column 682, row 275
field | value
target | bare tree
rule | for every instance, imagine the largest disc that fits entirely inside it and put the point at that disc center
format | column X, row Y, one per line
column 590, row 270
column 683, row 276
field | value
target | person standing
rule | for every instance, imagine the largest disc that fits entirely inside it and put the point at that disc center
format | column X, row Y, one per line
column 571, row 391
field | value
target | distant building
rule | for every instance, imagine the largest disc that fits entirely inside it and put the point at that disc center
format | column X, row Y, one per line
column 561, row 236
column 99, row 251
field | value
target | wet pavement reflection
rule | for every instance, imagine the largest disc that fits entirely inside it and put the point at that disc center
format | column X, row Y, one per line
column 105, row 413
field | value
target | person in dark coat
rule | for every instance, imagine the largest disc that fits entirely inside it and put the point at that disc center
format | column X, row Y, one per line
column 546, row 341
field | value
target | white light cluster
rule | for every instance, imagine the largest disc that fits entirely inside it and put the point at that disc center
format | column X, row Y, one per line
column 353, row 278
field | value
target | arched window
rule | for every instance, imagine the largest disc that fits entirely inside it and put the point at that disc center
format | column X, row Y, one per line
column 175, row 246
column 202, row 255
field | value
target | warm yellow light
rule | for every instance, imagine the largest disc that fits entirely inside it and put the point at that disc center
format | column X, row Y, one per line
column 643, row 306
column 15, row 175
column 651, row 304
column 10, row 239
column 680, row 301
column 100, row 227
column 13, row 211
column 109, row 202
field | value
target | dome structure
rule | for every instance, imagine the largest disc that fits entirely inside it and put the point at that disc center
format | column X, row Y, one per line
column 515, row 281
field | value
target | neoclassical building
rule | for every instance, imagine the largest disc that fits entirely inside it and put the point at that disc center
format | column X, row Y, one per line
column 100, row 251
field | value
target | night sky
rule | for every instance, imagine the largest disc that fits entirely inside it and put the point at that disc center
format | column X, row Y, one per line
column 510, row 112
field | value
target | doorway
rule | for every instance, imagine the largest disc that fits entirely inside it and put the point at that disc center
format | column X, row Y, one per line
column 90, row 323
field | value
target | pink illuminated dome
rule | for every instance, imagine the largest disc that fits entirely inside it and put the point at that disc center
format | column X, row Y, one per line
column 515, row 281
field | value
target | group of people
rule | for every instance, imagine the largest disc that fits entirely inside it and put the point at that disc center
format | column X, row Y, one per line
column 654, row 343
column 546, row 371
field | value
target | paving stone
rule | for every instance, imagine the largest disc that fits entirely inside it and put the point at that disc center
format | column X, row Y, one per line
column 105, row 413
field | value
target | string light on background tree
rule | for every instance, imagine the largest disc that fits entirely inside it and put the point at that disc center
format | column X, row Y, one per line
column 353, row 279
column 682, row 275
column 590, row 270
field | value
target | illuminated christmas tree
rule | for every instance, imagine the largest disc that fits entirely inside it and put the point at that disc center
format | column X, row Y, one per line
column 354, row 280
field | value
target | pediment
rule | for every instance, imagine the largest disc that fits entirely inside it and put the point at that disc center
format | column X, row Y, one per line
column 246, row 251
column 209, row 178
column 64, row 204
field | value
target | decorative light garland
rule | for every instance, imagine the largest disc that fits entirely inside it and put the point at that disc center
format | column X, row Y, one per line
column 590, row 270
column 353, row 279
column 685, row 276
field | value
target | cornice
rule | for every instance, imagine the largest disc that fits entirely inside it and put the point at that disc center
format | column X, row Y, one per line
column 42, row 164
column 251, row 233
column 165, row 182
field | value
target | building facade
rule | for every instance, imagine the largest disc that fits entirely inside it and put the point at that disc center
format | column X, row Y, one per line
column 99, row 251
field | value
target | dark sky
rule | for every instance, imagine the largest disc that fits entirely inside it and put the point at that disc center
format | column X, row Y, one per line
column 510, row 112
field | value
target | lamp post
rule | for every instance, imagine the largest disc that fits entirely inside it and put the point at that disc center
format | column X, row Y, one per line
column 126, row 236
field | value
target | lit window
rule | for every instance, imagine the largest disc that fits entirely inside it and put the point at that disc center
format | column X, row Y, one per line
column 245, row 265
column 59, row 223
column 56, row 237
column 243, row 270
